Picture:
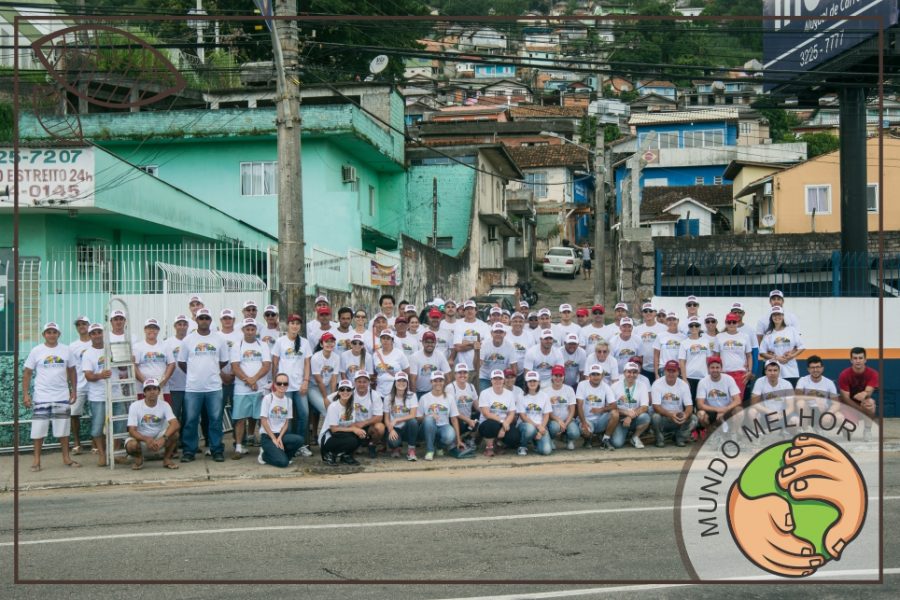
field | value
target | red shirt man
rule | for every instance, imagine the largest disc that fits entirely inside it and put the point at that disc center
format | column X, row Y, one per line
column 857, row 383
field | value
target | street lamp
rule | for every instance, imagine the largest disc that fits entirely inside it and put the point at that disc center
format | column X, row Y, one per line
column 599, row 209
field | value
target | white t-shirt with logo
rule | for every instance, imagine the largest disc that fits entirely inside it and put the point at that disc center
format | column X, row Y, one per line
column 423, row 366
column 466, row 398
column 441, row 408
column 95, row 362
column 231, row 339
column 495, row 357
column 673, row 398
column 387, row 365
column 497, row 404
column 292, row 362
column 534, row 406
column 51, row 381
column 409, row 344
column 536, row 360
column 334, row 417
column 648, row 334
column 772, row 396
column 469, row 332
column 150, row 421
column 367, row 406
column 574, row 364
column 669, row 345
column 203, row 353
column 610, row 367
column 251, row 356
column 269, row 336
column 624, row 350
column 152, row 360
column 401, row 407
column 632, row 397
column 560, row 331
column 590, row 336
column 277, row 411
column 342, row 340
column 823, row 390
column 733, row 349
column 560, row 400
column 781, row 342
column 350, row 364
column 594, row 397
column 694, row 354
column 443, row 339
column 520, row 343
column 718, row 393
column 325, row 367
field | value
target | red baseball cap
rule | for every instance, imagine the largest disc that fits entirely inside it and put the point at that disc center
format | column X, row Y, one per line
column 732, row 317
column 294, row 317
column 327, row 336
column 713, row 359
column 323, row 310
column 558, row 370
column 435, row 313
column 509, row 373
column 581, row 312
column 597, row 307
column 672, row 365
column 429, row 335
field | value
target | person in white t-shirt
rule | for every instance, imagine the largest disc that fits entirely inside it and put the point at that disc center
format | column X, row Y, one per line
column 439, row 415
column 564, row 408
column 693, row 354
column 633, row 400
column 325, row 370
column 342, row 432
column 470, row 335
column 466, row 399
column 600, row 356
column 736, row 350
column 498, row 415
column 565, row 326
column 357, row 357
column 291, row 355
column 250, row 363
column 543, row 357
column 78, row 348
column 521, row 340
column 770, row 394
column 400, row 422
column 782, row 343
column 179, row 378
column 648, row 332
column 717, row 396
column 595, row 331
column 597, row 409
column 389, row 360
column 426, row 361
column 277, row 444
column 496, row 353
column 93, row 366
column 534, row 413
column 667, row 345
column 403, row 339
column 573, row 359
column 52, row 367
column 624, row 346
column 776, row 298
column 152, row 427
column 153, row 359
column 673, row 406
column 817, row 391
column 322, row 324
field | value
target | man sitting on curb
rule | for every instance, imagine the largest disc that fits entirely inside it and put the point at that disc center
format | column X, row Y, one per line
column 153, row 428
column 672, row 406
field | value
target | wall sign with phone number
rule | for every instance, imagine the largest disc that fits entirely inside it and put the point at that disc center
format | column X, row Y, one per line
column 50, row 176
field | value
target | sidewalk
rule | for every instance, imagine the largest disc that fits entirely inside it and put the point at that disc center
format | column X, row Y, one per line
column 55, row 475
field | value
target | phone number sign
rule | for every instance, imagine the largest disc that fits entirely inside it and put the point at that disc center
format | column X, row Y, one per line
column 49, row 176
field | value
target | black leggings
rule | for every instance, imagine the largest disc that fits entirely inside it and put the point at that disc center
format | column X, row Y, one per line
column 489, row 430
column 342, row 442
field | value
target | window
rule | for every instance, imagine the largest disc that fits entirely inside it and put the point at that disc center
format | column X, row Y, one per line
column 538, row 183
column 818, row 199
column 872, row 198
column 259, row 178
column 699, row 181
column 665, row 139
column 656, row 182
column 444, row 242
column 717, row 180
column 704, row 139
column 492, row 233
column 744, row 127
column 150, row 169
column 371, row 201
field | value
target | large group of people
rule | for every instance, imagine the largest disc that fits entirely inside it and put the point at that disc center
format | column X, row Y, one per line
column 438, row 379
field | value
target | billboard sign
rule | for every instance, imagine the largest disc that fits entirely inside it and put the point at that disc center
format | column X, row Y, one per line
column 798, row 38
column 49, row 176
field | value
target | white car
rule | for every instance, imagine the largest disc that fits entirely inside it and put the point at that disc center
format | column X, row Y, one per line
column 562, row 260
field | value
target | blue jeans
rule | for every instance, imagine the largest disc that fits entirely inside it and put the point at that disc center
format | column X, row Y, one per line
column 275, row 456
column 663, row 425
column 572, row 431
column 193, row 403
column 597, row 423
column 622, row 433
column 300, row 422
column 484, row 383
column 444, row 433
column 527, row 431
column 408, row 432
column 316, row 399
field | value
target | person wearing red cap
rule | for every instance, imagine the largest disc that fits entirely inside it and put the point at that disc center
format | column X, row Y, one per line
column 736, row 350
column 426, row 361
column 718, row 396
column 582, row 317
column 564, row 407
column 443, row 335
column 673, row 406
column 509, row 382
column 315, row 329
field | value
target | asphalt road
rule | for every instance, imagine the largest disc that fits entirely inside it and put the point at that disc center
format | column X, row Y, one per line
column 358, row 527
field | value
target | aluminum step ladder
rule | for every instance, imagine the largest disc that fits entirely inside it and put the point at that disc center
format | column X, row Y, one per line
column 121, row 391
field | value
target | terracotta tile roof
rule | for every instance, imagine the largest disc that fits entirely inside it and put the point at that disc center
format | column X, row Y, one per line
column 655, row 199
column 547, row 112
column 557, row 155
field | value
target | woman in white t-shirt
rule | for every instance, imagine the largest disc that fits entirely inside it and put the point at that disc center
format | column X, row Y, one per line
column 275, row 412
column 498, row 415
column 340, row 437
column 325, row 365
column 695, row 349
column 466, row 399
column 389, row 361
column 534, row 414
column 562, row 402
column 782, row 343
column 400, row 407
column 440, row 419
column 357, row 357
column 291, row 355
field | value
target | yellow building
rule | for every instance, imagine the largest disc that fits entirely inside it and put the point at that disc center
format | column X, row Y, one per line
column 806, row 197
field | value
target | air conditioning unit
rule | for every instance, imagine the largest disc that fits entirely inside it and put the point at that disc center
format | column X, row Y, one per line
column 348, row 174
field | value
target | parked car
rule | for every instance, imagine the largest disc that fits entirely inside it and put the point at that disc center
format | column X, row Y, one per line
column 562, row 260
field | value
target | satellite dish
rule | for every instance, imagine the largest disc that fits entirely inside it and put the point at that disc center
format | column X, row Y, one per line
column 768, row 220
column 378, row 64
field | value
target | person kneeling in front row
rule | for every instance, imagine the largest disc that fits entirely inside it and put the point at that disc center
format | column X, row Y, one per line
column 672, row 406
column 343, row 430
column 153, row 429
column 275, row 413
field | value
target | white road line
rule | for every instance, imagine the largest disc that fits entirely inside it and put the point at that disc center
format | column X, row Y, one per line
column 363, row 525
column 848, row 574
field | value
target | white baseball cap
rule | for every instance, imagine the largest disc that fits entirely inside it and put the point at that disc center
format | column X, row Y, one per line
column 387, row 333
column 571, row 339
column 523, row 304
column 204, row 312
column 151, row 323
column 401, row 375
column 321, row 298
column 647, row 306
column 532, row 376
column 357, row 337
column 180, row 318
column 440, row 302
column 517, row 315
column 461, row 367
column 250, row 304
column 596, row 369
column 250, row 322
column 774, row 293
column 691, row 299
column 544, row 312
column 116, row 313
column 565, row 307
column 496, row 310
column 737, row 306
column 226, row 313
column 777, row 310
column 360, row 373
column 497, row 374
column 498, row 327
column 469, row 304
column 82, row 319
column 50, row 325
column 437, row 375
column 344, row 383
column 150, row 383
column 95, row 327
column 546, row 334
column 411, row 308
column 271, row 308
column 621, row 305
column 630, row 366
column 626, row 321
column 195, row 299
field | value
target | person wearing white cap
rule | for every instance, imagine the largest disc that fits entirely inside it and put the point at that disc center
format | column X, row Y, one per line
column 648, row 332
column 439, row 415
column 521, row 340
column 52, row 366
column 673, row 406
column 717, row 395
column 78, row 348
column 667, row 345
column 466, row 399
column 693, row 354
column 597, row 409
column 624, row 346
column 470, row 335
column 573, row 359
column 543, row 357
column 153, row 359
column 534, row 410
column 426, row 361
column 776, row 298
column 661, row 315
column 544, row 322
column 389, row 360
column 346, row 420
column 400, row 410
column 251, row 362
column 178, row 379
column 565, row 326
column 448, row 324
column 152, row 427
column 403, row 339
column 498, row 415
column 250, row 309
column 782, row 343
column 271, row 331
column 496, row 354
column 633, row 400
column 325, row 369
column 692, row 305
column 373, row 335
column 357, row 357
column 562, row 402
column 769, row 395
column 202, row 355
column 117, row 326
column 93, row 365
column 495, row 314
column 620, row 311
column 368, row 408
column 601, row 356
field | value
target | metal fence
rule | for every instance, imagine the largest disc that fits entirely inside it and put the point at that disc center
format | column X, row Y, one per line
column 823, row 274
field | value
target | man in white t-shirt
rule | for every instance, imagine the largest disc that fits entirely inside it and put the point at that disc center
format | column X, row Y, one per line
column 251, row 362
column 673, row 406
column 718, row 396
column 624, row 346
column 117, row 326
column 153, row 428
column 648, row 332
column 202, row 357
column 52, row 367
column 597, row 409
column 469, row 336
column 368, row 411
column 93, row 366
column 633, row 400
column 496, row 353
column 815, row 390
column 78, row 348
column 179, row 377
column 426, row 361
column 543, row 357
column 271, row 331
column 573, row 359
column 565, row 326
column 153, row 359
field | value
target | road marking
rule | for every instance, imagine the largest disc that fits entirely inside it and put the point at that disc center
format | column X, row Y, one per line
column 363, row 525
column 849, row 574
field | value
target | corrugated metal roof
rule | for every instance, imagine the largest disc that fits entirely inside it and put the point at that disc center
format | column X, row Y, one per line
column 685, row 116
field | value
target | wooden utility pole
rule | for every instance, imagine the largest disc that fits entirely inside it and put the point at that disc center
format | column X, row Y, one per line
column 291, row 256
column 599, row 215
column 434, row 216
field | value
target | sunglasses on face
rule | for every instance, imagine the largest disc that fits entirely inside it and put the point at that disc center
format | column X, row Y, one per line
column 646, row 310
column 204, row 318
column 731, row 322
column 345, row 389
column 270, row 314
column 356, row 343
column 711, row 322
column 360, row 316
column 281, row 383
column 692, row 304
column 694, row 325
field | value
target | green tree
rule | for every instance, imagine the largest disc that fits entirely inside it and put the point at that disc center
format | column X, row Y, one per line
column 587, row 131
column 819, row 143
column 780, row 123
column 748, row 33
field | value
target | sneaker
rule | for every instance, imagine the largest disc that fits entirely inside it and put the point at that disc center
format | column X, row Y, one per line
column 329, row 459
column 395, row 453
column 570, row 445
column 429, row 456
column 304, row 451
column 373, row 451
column 208, row 452
column 411, row 455
column 236, row 455
column 187, row 458
column 348, row 459
column 636, row 442
column 440, row 452
column 679, row 442
column 219, row 457
column 238, row 449
column 660, row 441
column 489, row 451
column 522, row 451
column 259, row 458
column 587, row 444
column 606, row 444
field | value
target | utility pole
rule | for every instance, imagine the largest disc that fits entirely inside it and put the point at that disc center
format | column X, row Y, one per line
column 599, row 215
column 291, row 258
column 434, row 216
